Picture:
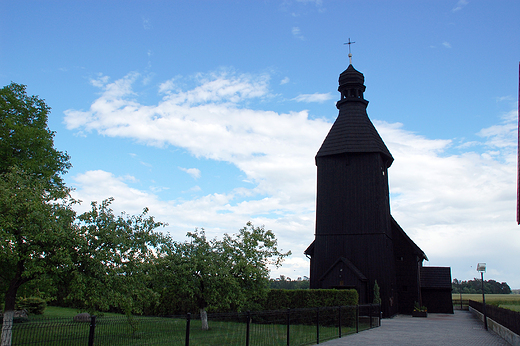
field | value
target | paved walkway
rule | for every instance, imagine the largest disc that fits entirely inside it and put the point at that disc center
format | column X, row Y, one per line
column 461, row 328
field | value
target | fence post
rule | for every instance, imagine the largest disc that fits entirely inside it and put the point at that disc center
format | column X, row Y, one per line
column 92, row 330
column 288, row 326
column 357, row 318
column 339, row 321
column 317, row 325
column 370, row 315
column 247, row 327
column 188, row 319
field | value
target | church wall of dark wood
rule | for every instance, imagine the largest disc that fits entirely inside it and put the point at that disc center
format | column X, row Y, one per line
column 356, row 240
column 407, row 265
column 371, row 254
column 353, row 221
column 437, row 300
column 352, row 195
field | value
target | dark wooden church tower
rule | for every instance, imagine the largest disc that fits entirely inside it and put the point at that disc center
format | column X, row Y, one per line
column 357, row 241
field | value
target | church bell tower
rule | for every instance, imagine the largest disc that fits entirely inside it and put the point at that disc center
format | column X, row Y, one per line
column 353, row 244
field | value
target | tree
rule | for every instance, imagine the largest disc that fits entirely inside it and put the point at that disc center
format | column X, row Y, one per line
column 377, row 295
column 196, row 271
column 35, row 208
column 27, row 143
column 222, row 274
column 114, row 261
column 475, row 286
column 249, row 254
column 286, row 283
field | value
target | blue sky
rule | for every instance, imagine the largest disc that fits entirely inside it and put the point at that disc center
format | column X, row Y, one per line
column 210, row 113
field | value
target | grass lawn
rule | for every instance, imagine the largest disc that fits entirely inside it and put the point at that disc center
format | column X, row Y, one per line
column 57, row 327
column 506, row 301
column 58, row 312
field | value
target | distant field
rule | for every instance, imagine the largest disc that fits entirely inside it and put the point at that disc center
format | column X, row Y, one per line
column 506, row 301
column 489, row 297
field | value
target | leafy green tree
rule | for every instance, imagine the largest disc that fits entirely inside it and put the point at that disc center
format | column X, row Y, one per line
column 475, row 286
column 115, row 260
column 377, row 295
column 219, row 275
column 37, row 233
column 196, row 271
column 27, row 143
column 35, row 208
column 249, row 253
column 286, row 283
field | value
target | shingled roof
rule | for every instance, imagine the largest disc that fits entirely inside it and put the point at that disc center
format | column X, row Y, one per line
column 436, row 277
column 353, row 132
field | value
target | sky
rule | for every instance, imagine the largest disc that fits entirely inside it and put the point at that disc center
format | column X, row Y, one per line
column 210, row 113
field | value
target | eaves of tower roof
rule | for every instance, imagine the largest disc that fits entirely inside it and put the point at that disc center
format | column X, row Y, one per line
column 353, row 132
column 416, row 249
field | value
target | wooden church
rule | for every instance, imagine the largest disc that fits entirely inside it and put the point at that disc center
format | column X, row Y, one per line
column 357, row 241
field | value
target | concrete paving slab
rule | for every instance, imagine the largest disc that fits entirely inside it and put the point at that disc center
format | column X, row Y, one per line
column 461, row 328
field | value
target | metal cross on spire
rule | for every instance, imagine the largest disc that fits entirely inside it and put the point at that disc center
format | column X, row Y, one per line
column 349, row 53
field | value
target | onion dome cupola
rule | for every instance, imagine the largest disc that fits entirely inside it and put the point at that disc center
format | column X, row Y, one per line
column 353, row 132
column 351, row 86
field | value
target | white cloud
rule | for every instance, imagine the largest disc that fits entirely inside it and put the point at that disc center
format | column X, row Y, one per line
column 285, row 81
column 446, row 44
column 98, row 185
column 297, row 33
column 146, row 24
column 100, row 80
column 195, row 188
column 194, row 172
column 316, row 97
column 460, row 209
column 460, row 5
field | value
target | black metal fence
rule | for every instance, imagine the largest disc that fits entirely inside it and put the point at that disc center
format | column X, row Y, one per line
column 283, row 327
column 460, row 304
column 507, row 318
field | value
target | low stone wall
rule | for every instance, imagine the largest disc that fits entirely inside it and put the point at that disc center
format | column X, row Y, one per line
column 506, row 334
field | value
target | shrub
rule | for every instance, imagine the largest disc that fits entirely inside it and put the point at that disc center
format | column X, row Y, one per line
column 33, row 305
column 295, row 299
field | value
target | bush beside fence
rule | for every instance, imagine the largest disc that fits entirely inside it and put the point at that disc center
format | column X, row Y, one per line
column 507, row 318
column 291, row 326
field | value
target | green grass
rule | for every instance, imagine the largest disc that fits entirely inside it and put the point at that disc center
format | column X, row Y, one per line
column 116, row 331
column 59, row 312
column 489, row 297
column 514, row 307
column 506, row 301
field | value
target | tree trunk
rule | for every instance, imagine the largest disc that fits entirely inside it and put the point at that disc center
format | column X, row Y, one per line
column 14, row 285
column 9, row 304
column 7, row 328
column 204, row 319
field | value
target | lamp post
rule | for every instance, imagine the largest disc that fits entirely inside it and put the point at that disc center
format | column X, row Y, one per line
column 481, row 267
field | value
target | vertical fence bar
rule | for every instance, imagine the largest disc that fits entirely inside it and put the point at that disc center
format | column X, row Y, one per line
column 317, row 325
column 370, row 315
column 188, row 319
column 247, row 327
column 339, row 321
column 357, row 318
column 92, row 331
column 288, row 326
